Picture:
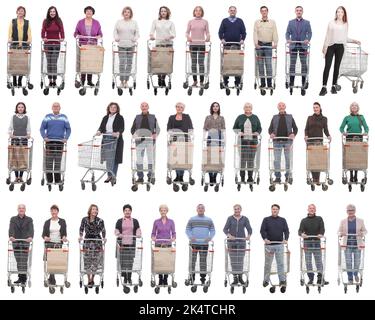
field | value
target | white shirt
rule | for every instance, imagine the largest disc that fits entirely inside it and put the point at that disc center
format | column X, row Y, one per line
column 248, row 130
column 337, row 33
column 163, row 31
column 126, row 32
column 109, row 126
column 54, row 231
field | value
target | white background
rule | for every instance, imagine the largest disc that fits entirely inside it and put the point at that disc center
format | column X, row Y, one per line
column 85, row 114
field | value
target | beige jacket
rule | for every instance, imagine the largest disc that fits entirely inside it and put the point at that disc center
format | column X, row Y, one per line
column 361, row 231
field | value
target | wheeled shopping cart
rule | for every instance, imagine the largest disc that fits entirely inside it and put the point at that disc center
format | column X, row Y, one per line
column 213, row 162
column 163, row 262
column 56, row 261
column 277, row 264
column 351, row 260
column 53, row 65
column 318, row 162
column 232, row 58
column 354, row 158
column 297, row 64
column 54, row 163
column 197, row 65
column 280, row 155
column 201, row 258
column 129, row 261
column 265, row 69
column 18, row 66
column 91, row 262
column 247, row 151
column 180, row 158
column 124, row 67
column 160, row 65
column 237, row 263
column 90, row 58
column 312, row 261
column 97, row 155
column 354, row 65
column 20, row 154
column 19, row 263
column 143, row 152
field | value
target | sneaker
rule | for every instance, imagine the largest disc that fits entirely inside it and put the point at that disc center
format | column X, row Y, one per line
column 356, row 278
column 265, row 284
column 323, row 91
column 333, row 90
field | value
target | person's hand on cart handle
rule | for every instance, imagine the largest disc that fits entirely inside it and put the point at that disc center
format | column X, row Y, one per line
column 98, row 133
column 272, row 136
column 47, row 239
column 292, row 136
column 173, row 239
column 46, row 139
column 208, row 39
column 152, row 37
column 11, row 239
column 329, row 138
column 153, row 239
column 64, row 140
column 64, row 239
column 230, row 237
column 306, row 138
column 304, row 235
column 306, row 41
column 154, row 136
column 104, row 240
column 189, row 39
column 274, row 46
column 29, row 239
column 248, row 237
column 116, row 134
column 80, row 239
column 222, row 41
column 285, row 242
column 192, row 239
column 320, row 236
column 241, row 42
column 266, row 241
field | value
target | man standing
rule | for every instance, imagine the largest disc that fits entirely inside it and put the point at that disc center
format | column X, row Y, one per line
column 21, row 234
column 200, row 230
column 298, row 30
column 265, row 39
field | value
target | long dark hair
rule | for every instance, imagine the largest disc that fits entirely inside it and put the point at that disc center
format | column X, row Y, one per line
column 20, row 103
column 345, row 17
column 117, row 106
column 212, row 108
column 168, row 12
column 90, row 209
column 56, row 18
column 320, row 107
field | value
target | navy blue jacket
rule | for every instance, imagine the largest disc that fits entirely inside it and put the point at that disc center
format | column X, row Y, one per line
column 232, row 31
column 274, row 229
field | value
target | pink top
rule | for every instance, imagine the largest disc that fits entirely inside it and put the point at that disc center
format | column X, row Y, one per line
column 127, row 231
column 198, row 30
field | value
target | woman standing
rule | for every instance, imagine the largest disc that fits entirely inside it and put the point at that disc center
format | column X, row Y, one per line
column 336, row 38
column 92, row 228
column 112, row 127
column 52, row 29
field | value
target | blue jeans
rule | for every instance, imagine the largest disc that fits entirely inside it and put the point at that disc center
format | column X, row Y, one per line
column 313, row 249
column 125, row 62
column 353, row 261
column 142, row 148
column 264, row 61
column 298, row 51
column 271, row 251
column 279, row 146
column 237, row 255
column 109, row 155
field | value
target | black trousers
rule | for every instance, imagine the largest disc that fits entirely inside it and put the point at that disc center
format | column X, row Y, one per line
column 54, row 153
column 197, row 57
column 18, row 142
column 52, row 55
column 21, row 254
column 202, row 250
column 298, row 52
column 248, row 153
column 337, row 51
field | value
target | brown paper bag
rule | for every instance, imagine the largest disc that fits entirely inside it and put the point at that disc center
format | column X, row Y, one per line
column 161, row 61
column 233, row 62
column 213, row 159
column 164, row 260
column 180, row 155
column 57, row 261
column 90, row 59
column 18, row 158
column 356, row 155
column 18, row 61
column 317, row 158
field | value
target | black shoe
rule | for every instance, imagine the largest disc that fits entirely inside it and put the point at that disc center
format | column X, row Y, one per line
column 311, row 282
column 19, row 281
column 241, row 280
column 203, row 281
column 91, row 284
column 250, row 179
column 265, row 284
column 108, row 180
column 140, row 180
column 235, row 280
column 19, row 83
column 282, row 283
column 90, row 83
column 52, row 280
column 161, row 282
column 129, row 277
column 243, row 179
column 277, row 180
column 54, row 84
column 323, row 91
column 165, row 282
column 177, row 179
column 159, row 82
column 333, row 90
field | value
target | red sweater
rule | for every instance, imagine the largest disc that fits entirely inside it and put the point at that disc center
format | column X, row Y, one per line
column 53, row 31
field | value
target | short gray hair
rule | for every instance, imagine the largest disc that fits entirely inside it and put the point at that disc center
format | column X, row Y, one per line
column 350, row 207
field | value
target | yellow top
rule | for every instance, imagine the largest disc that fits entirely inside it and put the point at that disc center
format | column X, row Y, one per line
column 20, row 31
column 265, row 31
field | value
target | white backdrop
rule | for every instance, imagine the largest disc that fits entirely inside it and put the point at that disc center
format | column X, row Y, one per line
column 85, row 114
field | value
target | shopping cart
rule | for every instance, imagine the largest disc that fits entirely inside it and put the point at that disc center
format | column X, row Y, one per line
column 56, row 261
column 197, row 64
column 280, row 155
column 351, row 260
column 20, row 154
column 213, row 162
column 353, row 65
column 312, row 246
column 247, row 158
column 97, row 154
column 318, row 162
column 18, row 65
column 54, row 163
column 272, row 260
column 232, row 58
column 143, row 161
column 163, row 261
column 237, row 262
column 180, row 157
column 354, row 158
column 129, row 261
column 160, row 64
column 297, row 64
column 265, row 68
column 90, row 58
column 19, row 263
column 92, row 254
column 200, row 266
column 53, row 65
column 124, row 67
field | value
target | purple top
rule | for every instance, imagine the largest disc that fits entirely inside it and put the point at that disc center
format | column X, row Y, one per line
column 96, row 30
column 163, row 231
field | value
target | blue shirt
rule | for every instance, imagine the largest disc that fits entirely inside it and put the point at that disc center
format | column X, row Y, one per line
column 200, row 228
column 352, row 229
column 55, row 126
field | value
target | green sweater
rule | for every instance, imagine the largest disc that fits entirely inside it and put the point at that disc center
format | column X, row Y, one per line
column 353, row 124
column 241, row 119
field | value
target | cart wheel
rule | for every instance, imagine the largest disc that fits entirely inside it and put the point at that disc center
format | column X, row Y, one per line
column 97, row 290
column 271, row 92
column 350, row 187
column 30, row 86
column 45, row 283
column 41, row 85
column 126, row 289
column 140, row 283
column 169, row 85
column 187, row 282
column 152, row 284
column 262, row 92
column 344, row 180
column 272, row 289
column 362, row 187
column 42, row 182
column 303, row 92
column 205, row 188
column 83, row 186
column 185, row 85
column 49, row 187
column 9, row 85
column 201, row 90
column 185, row 187
column 157, row 290
column 23, row 290
column 225, row 283
column 176, row 188
column 169, row 180
column 202, row 181
column 86, row 290
column 190, row 91
column 330, row 182
column 119, row 91
column 206, row 85
column 148, row 187
column 155, row 91
column 205, row 289
column 67, row 284
column 80, row 284
column 113, row 84
column 7, row 181
column 307, row 290
column 77, row 84
column 338, row 87
column 174, row 284
column 131, row 91
column 231, row 289
column 12, row 91
column 58, row 91
column 238, row 187
column 135, row 289
column 283, row 289
column 25, row 92
column 166, row 91
column 61, row 187
column 96, row 91
column 251, row 187
column 361, row 85
column 11, row 187
column 222, row 182
column 62, row 290
column 258, row 180
column 227, row 91
column 193, row 289
column 221, row 85
column 12, row 289
column 82, row 91
column 312, row 186
column 117, row 282
column 302, row 282
column 272, row 188
column 238, row 92
column 51, row 290
column 355, row 90
column 148, row 84
column 23, row 186
column 169, row 290
column 291, row 91
column 46, row 91
column 345, row 289
column 217, row 188
column 357, row 288
column 191, row 181
column 324, row 187
column 93, row 187
column 320, row 289
column 364, row 180
column 255, row 86
column 306, row 85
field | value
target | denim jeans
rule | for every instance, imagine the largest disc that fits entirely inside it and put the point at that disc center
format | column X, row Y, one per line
column 277, row 251
column 279, row 147
column 125, row 62
column 298, row 52
column 109, row 155
column 202, row 251
column 142, row 148
column 312, row 248
column 236, row 255
column 353, row 261
column 197, row 53
column 264, row 61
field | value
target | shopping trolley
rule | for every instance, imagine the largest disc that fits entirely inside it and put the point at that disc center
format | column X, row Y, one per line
column 247, row 158
column 143, row 161
column 19, row 65
column 354, row 158
column 180, row 157
column 19, row 263
column 318, row 161
column 232, row 58
column 92, row 254
column 237, row 262
column 351, row 260
column 56, row 261
column 20, row 154
column 297, row 64
column 97, row 154
column 53, row 65
column 280, row 155
column 265, row 69
column 200, row 266
column 163, row 261
column 213, row 162
column 89, row 60
column 129, row 261
column 124, row 67
column 197, row 64
column 312, row 246
column 160, row 64
column 274, row 261
column 353, row 65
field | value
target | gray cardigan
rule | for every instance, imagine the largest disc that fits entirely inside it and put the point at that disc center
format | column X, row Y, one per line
column 236, row 228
